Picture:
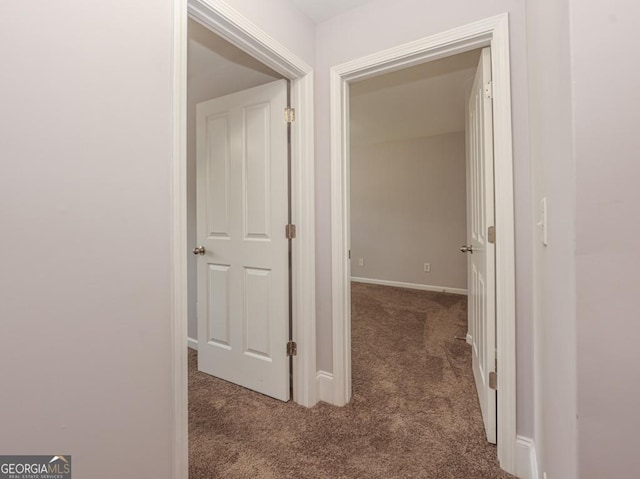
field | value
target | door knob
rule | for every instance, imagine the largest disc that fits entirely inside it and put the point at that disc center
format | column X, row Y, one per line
column 199, row 250
column 466, row 249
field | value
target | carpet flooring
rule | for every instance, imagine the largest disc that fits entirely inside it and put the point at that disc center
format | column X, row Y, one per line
column 414, row 412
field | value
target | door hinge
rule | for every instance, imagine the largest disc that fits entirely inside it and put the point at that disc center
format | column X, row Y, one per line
column 289, row 114
column 493, row 377
column 488, row 90
column 290, row 231
column 292, row 349
column 491, row 234
column 349, row 254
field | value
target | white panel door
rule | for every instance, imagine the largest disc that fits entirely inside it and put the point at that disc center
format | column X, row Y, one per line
column 242, row 204
column 481, row 253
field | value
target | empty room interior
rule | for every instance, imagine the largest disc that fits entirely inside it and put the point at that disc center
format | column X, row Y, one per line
column 412, row 214
column 408, row 175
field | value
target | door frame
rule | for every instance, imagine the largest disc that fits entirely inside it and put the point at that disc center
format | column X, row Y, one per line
column 493, row 32
column 231, row 25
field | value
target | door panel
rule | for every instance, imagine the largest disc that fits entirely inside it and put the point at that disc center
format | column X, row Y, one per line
column 481, row 262
column 218, row 288
column 257, row 319
column 243, row 289
column 256, row 166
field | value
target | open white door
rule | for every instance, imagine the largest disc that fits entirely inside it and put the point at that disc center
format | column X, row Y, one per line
column 242, row 204
column 480, row 249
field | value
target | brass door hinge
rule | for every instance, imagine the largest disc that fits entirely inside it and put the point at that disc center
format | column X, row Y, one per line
column 493, row 377
column 289, row 114
column 491, row 234
column 292, row 348
column 290, row 231
column 488, row 90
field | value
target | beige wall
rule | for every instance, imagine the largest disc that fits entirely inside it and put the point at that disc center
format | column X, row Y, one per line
column 408, row 208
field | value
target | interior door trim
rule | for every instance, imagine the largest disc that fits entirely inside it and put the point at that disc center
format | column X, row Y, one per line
column 493, row 32
column 226, row 22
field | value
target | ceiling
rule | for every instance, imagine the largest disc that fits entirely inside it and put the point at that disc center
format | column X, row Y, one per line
column 321, row 10
column 417, row 102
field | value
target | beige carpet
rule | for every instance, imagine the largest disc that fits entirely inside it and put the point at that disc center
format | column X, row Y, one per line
column 414, row 413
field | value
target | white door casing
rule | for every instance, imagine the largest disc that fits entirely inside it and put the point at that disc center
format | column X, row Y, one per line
column 242, row 208
column 493, row 32
column 481, row 259
column 234, row 27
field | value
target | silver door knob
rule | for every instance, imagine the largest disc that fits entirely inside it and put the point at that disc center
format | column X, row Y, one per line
column 466, row 249
column 199, row 250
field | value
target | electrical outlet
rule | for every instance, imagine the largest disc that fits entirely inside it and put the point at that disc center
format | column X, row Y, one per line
column 427, row 267
column 361, row 262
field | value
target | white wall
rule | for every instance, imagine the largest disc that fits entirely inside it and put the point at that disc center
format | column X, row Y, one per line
column 282, row 20
column 85, row 142
column 584, row 152
column 605, row 44
column 408, row 207
column 215, row 68
column 553, row 177
column 383, row 24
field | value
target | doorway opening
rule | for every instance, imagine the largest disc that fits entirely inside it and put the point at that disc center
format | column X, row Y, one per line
column 222, row 20
column 407, row 175
column 419, row 140
column 491, row 33
column 238, row 206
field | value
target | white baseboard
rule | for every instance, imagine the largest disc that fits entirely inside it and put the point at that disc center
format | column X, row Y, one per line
column 324, row 382
column 400, row 284
column 526, row 460
column 192, row 343
column 469, row 339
